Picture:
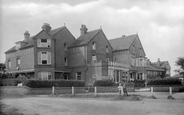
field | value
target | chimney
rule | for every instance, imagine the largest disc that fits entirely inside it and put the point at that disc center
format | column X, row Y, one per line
column 83, row 29
column 46, row 27
column 158, row 62
column 26, row 35
column 148, row 62
column 123, row 35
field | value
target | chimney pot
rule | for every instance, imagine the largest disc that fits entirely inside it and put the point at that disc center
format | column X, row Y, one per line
column 83, row 29
column 26, row 35
column 46, row 27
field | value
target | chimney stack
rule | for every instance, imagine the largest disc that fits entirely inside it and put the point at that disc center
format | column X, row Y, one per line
column 83, row 29
column 158, row 62
column 26, row 35
column 46, row 27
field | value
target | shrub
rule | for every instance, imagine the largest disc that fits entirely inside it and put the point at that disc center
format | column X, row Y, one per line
column 139, row 83
column 107, row 82
column 9, row 82
column 166, row 81
column 50, row 83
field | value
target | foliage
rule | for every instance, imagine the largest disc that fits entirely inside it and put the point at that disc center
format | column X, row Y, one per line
column 166, row 81
column 180, row 62
column 139, row 83
column 9, row 82
column 50, row 83
column 107, row 82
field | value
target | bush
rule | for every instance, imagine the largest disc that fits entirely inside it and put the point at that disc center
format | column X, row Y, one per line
column 50, row 83
column 166, row 81
column 139, row 83
column 9, row 82
column 107, row 82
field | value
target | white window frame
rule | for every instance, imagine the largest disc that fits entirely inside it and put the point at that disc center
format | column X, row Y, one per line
column 93, row 45
column 94, row 58
column 65, row 46
column 9, row 64
column 66, row 61
column 44, row 58
column 40, row 43
column 107, row 49
column 78, row 75
column 18, row 63
column 44, row 75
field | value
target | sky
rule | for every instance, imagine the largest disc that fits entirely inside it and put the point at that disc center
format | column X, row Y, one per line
column 158, row 23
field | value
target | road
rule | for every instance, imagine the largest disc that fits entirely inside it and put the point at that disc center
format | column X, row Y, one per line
column 45, row 105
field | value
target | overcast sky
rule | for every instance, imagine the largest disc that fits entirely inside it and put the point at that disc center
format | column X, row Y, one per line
column 159, row 23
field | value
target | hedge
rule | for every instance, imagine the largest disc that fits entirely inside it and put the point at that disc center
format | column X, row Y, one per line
column 107, row 82
column 50, row 83
column 139, row 83
column 168, row 81
column 9, row 82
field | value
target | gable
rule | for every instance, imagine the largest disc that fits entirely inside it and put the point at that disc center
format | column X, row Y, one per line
column 136, row 48
column 42, row 35
column 122, row 43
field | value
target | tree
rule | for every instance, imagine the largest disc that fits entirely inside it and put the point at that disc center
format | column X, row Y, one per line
column 180, row 62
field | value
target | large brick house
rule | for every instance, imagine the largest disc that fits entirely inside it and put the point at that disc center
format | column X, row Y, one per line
column 42, row 56
column 56, row 54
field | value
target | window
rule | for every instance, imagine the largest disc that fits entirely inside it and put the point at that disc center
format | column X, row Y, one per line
column 78, row 76
column 94, row 58
column 17, row 45
column 65, row 46
column 44, row 58
column 107, row 49
column 66, row 61
column 43, row 42
column 141, row 62
column 9, row 64
column 18, row 63
column 94, row 45
column 44, row 75
column 133, row 49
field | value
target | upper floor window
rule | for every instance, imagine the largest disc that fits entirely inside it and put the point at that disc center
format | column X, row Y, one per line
column 66, row 61
column 65, row 46
column 17, row 45
column 18, row 63
column 43, row 42
column 9, row 64
column 44, row 75
column 78, row 76
column 94, row 58
column 44, row 58
column 107, row 49
column 94, row 45
column 133, row 49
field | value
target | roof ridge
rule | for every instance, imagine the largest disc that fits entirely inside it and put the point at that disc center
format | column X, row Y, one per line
column 123, row 37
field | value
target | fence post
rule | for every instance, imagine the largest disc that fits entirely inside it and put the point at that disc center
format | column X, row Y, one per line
column 170, row 91
column 72, row 90
column 53, row 90
column 151, row 91
column 95, row 91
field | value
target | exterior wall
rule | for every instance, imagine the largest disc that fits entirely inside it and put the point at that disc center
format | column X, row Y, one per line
column 26, row 59
column 48, row 68
column 122, row 57
column 101, row 43
column 62, row 37
column 77, row 56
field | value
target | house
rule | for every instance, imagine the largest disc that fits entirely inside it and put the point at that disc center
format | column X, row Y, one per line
column 154, row 72
column 128, row 51
column 56, row 54
column 88, row 54
column 42, row 56
column 164, row 65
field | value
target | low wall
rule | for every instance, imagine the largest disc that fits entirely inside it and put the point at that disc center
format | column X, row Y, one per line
column 159, row 88
column 112, row 89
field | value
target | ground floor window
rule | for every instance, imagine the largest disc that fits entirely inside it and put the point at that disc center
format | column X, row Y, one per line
column 44, row 75
column 78, row 76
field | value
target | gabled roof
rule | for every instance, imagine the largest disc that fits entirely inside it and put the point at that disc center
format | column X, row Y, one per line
column 30, row 41
column 123, row 42
column 154, row 68
column 163, row 64
column 86, row 38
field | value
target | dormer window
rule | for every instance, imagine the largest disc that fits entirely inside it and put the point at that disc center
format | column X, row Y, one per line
column 94, row 45
column 43, row 42
column 17, row 45
column 107, row 49
column 65, row 46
